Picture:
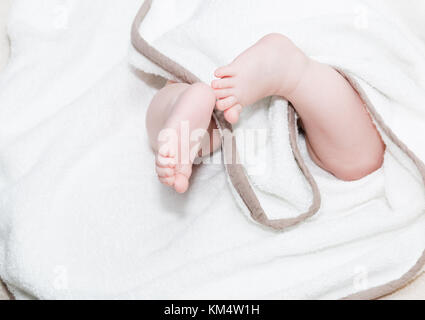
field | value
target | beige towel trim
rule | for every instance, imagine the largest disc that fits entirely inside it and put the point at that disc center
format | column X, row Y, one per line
column 6, row 290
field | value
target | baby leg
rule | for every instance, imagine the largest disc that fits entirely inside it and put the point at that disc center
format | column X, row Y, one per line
column 177, row 122
column 341, row 136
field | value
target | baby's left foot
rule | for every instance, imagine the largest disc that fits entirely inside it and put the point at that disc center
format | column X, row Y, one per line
column 272, row 66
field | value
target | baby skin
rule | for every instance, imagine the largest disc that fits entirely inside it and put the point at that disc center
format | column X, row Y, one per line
column 340, row 135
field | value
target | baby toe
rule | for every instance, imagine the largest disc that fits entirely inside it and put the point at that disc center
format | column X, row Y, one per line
column 181, row 183
column 223, row 83
column 164, row 172
column 226, row 103
column 169, row 181
column 164, row 162
column 226, row 71
column 166, row 150
column 223, row 93
column 232, row 114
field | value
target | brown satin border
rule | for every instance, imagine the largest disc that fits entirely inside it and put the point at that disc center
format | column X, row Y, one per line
column 237, row 174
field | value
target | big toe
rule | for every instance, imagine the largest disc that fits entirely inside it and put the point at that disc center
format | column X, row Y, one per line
column 181, row 183
column 232, row 114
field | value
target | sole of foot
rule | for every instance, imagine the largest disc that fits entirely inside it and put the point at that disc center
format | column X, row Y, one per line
column 181, row 138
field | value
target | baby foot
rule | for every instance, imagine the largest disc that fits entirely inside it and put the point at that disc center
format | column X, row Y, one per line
column 180, row 140
column 272, row 66
column 169, row 171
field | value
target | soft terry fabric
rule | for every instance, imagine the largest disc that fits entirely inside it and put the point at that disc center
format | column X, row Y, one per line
column 83, row 215
column 381, row 59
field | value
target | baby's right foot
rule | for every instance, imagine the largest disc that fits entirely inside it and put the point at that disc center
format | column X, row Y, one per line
column 177, row 148
column 272, row 66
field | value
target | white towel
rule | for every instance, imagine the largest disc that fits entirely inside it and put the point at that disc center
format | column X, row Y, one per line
column 83, row 215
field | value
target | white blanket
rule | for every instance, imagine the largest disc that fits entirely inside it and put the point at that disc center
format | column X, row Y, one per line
column 83, row 215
